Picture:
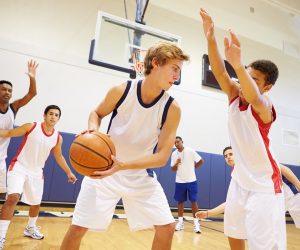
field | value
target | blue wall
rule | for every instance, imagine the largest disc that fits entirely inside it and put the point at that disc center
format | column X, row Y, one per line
column 213, row 178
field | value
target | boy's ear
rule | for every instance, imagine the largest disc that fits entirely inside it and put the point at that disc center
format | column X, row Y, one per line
column 267, row 87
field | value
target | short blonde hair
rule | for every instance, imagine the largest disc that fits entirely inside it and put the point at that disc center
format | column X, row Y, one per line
column 163, row 52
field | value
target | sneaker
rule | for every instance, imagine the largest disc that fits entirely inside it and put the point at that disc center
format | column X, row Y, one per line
column 197, row 229
column 179, row 226
column 2, row 241
column 33, row 232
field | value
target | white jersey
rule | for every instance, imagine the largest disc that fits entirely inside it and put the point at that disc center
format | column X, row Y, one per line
column 186, row 169
column 135, row 126
column 255, row 167
column 35, row 149
column 7, row 120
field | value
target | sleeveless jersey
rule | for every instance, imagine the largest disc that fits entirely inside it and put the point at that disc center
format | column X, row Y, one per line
column 135, row 126
column 7, row 120
column 255, row 167
column 35, row 149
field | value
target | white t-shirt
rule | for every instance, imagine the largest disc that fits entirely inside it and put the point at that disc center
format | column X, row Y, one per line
column 186, row 169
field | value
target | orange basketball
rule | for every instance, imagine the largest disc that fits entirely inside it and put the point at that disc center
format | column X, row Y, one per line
column 91, row 152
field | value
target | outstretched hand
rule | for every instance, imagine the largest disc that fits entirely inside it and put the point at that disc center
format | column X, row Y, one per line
column 201, row 214
column 233, row 50
column 115, row 168
column 32, row 66
column 208, row 25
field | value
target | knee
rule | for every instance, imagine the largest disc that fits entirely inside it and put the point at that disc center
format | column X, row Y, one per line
column 168, row 229
column 77, row 231
column 12, row 199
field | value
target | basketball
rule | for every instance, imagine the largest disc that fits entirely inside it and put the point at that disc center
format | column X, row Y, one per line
column 91, row 152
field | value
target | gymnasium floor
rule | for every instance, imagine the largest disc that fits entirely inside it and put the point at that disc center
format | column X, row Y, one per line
column 118, row 237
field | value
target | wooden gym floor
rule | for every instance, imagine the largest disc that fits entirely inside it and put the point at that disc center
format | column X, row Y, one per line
column 118, row 236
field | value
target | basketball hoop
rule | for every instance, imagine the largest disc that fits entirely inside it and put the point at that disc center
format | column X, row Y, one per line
column 138, row 61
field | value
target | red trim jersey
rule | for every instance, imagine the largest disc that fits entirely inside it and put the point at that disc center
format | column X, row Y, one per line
column 35, row 148
column 255, row 166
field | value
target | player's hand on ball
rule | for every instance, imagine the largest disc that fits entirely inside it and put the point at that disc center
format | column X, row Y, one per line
column 115, row 168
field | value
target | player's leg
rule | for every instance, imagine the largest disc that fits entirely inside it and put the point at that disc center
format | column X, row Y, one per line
column 163, row 237
column 193, row 193
column 73, row 237
column 15, row 183
column 236, row 244
column 31, row 230
column 147, row 207
column 32, row 195
column 234, row 216
column 94, row 209
column 180, row 196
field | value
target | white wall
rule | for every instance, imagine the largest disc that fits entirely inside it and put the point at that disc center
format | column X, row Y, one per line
column 57, row 34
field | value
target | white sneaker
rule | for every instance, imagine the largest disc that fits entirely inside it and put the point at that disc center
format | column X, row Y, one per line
column 2, row 241
column 197, row 229
column 179, row 226
column 33, row 232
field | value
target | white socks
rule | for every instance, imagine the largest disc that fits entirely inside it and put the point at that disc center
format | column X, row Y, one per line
column 180, row 219
column 32, row 221
column 4, row 227
column 196, row 221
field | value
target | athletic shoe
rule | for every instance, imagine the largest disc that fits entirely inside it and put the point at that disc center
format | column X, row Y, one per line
column 2, row 241
column 33, row 232
column 197, row 229
column 179, row 226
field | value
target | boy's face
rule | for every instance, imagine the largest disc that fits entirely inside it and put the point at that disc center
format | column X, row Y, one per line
column 169, row 73
column 5, row 93
column 178, row 143
column 228, row 156
column 259, row 79
column 52, row 117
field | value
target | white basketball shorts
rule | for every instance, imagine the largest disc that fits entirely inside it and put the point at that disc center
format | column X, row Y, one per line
column 255, row 216
column 30, row 185
column 143, row 198
column 3, row 176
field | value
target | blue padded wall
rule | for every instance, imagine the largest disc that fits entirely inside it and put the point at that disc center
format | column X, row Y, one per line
column 213, row 178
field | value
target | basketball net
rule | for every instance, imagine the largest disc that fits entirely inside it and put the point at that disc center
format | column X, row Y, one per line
column 138, row 61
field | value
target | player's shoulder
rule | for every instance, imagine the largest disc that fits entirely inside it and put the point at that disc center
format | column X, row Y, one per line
column 175, row 106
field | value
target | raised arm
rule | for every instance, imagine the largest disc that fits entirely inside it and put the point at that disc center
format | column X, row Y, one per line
column 61, row 161
column 19, row 131
column 249, row 86
column 32, row 66
column 229, row 86
column 289, row 174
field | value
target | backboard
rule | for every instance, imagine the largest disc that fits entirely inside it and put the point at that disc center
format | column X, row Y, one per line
column 117, row 40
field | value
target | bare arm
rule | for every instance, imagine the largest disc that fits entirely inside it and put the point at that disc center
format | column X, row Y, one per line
column 211, row 212
column 61, row 161
column 106, row 106
column 289, row 174
column 199, row 163
column 17, row 104
column 251, row 92
column 216, row 61
column 19, row 131
column 176, row 165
